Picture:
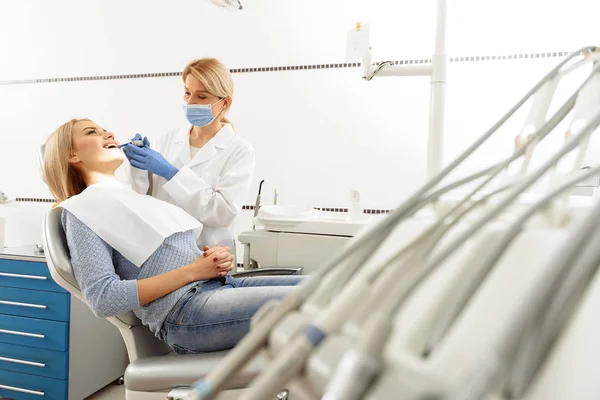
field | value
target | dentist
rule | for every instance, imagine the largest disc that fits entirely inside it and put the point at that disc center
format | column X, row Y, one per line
column 204, row 168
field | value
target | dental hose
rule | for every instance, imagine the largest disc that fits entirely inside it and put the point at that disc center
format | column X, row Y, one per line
column 209, row 386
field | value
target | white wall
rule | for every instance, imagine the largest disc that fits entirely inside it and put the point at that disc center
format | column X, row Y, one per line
column 317, row 133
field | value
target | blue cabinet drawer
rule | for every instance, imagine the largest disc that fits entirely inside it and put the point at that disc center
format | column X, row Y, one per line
column 35, row 304
column 19, row 386
column 27, row 275
column 41, row 333
column 34, row 361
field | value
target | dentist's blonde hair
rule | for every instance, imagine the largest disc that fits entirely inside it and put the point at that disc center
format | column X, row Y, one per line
column 62, row 179
column 215, row 77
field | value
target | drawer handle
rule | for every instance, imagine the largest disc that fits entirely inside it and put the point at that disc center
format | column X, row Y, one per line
column 43, row 278
column 14, row 303
column 35, row 335
column 17, row 361
column 16, row 389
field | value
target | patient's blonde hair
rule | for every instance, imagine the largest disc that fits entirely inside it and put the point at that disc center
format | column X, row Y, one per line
column 215, row 77
column 62, row 178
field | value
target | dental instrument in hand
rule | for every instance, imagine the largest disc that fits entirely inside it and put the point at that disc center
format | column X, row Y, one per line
column 138, row 143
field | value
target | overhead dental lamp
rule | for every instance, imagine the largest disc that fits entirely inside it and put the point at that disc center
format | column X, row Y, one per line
column 232, row 5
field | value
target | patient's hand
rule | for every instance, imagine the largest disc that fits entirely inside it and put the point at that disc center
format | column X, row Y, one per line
column 215, row 262
column 207, row 250
column 222, row 258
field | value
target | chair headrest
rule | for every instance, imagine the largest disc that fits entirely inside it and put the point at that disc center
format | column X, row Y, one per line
column 56, row 250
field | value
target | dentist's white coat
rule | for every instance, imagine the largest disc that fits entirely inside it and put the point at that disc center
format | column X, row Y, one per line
column 212, row 186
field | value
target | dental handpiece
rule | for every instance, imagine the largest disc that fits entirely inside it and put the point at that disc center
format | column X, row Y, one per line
column 138, row 143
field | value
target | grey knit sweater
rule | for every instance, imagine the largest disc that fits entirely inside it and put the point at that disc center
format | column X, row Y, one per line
column 108, row 280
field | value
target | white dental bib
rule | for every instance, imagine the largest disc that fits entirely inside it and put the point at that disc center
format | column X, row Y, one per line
column 133, row 224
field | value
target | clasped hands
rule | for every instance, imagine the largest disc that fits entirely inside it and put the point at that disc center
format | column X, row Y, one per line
column 215, row 262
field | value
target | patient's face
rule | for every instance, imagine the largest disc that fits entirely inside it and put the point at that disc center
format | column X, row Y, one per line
column 95, row 149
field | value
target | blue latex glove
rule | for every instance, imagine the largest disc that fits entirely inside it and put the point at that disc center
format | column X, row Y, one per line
column 149, row 160
column 128, row 153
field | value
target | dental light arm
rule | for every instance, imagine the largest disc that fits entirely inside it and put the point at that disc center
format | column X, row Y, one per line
column 358, row 47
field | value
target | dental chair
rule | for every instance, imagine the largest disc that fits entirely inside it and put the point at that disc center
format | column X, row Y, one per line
column 154, row 370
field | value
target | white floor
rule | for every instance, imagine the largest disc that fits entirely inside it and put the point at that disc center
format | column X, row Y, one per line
column 110, row 392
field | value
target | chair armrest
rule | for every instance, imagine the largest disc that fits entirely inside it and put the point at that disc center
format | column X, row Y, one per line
column 268, row 271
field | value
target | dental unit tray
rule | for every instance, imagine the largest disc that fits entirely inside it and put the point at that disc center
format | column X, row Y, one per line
column 296, row 219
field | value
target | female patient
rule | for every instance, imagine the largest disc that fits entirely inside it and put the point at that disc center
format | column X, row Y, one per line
column 134, row 252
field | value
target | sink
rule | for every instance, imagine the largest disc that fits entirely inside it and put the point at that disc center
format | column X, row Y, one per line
column 295, row 219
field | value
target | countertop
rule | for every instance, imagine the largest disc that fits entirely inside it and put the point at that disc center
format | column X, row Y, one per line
column 22, row 253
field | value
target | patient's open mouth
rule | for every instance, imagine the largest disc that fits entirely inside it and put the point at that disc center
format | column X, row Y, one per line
column 111, row 146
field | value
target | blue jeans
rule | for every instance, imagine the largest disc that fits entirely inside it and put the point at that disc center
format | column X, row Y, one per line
column 216, row 314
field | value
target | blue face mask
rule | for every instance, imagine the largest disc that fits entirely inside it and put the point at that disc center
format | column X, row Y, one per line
column 199, row 114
